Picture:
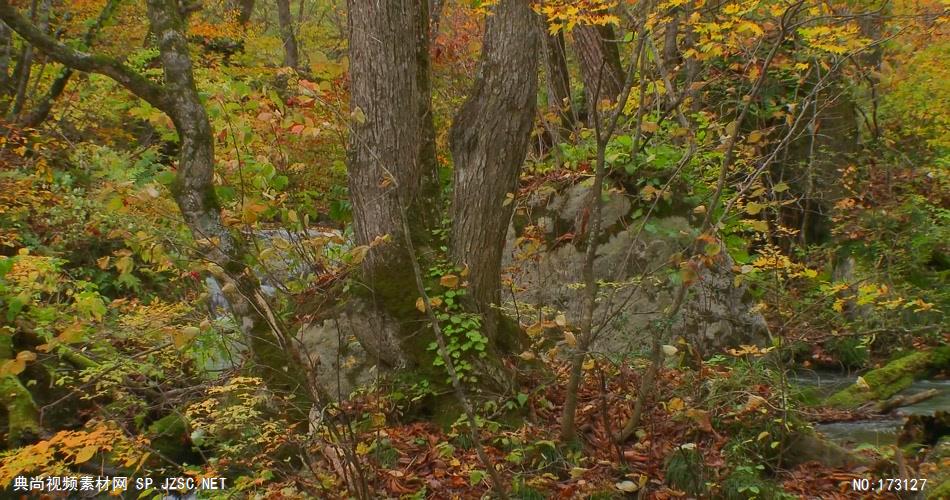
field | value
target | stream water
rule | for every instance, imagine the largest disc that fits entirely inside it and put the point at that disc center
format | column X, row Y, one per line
column 876, row 432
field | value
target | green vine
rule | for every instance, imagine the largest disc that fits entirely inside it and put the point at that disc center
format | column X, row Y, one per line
column 462, row 329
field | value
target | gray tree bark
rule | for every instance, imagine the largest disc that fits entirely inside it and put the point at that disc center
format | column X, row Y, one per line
column 558, row 77
column 391, row 155
column 41, row 110
column 489, row 140
column 599, row 59
column 6, row 51
column 286, row 21
column 244, row 8
column 40, row 11
column 435, row 17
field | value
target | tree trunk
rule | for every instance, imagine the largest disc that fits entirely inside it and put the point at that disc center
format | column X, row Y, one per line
column 194, row 193
column 193, row 189
column 286, row 21
column 559, row 78
column 39, row 10
column 23, row 424
column 435, row 17
column 489, row 140
column 41, row 110
column 244, row 9
column 599, row 58
column 6, row 50
column 671, row 53
column 391, row 156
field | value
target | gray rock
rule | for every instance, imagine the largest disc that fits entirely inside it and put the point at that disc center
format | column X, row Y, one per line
column 349, row 351
column 715, row 314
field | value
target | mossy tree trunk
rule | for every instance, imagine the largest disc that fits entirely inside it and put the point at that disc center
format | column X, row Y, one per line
column 489, row 141
column 391, row 159
column 193, row 188
column 23, row 425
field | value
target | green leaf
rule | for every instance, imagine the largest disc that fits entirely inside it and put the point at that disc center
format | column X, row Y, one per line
column 165, row 177
column 475, row 477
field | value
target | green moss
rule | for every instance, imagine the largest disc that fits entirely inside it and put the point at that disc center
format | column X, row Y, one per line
column 892, row 378
column 22, row 416
column 169, row 436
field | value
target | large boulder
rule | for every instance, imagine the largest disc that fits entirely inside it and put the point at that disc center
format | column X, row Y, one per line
column 350, row 349
column 633, row 255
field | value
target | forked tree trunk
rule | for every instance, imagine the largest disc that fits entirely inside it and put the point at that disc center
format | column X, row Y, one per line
column 391, row 156
column 489, row 140
column 287, row 36
column 599, row 58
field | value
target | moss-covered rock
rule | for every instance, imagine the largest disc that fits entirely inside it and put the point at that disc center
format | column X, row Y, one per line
column 892, row 378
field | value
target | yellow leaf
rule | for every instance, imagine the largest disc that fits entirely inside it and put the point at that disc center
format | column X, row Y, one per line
column 560, row 320
column 103, row 262
column 181, row 337
column 86, row 453
column 449, row 281
column 12, row 367
column 754, row 208
column 675, row 404
column 535, row 329
column 359, row 253
column 570, row 339
column 26, row 356
column 421, row 305
column 358, row 116
column 71, row 334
